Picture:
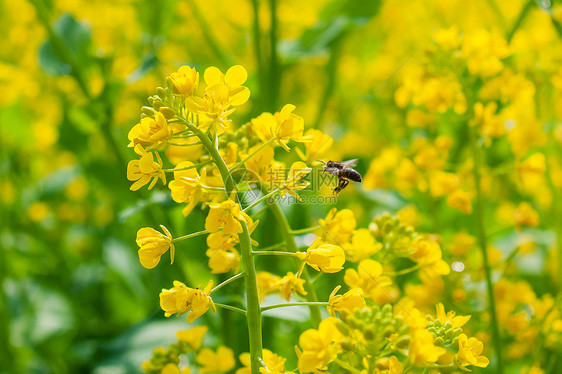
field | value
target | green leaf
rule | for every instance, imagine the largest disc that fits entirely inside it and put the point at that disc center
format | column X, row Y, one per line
column 148, row 62
column 69, row 44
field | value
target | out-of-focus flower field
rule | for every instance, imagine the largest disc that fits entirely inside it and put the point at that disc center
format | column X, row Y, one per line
column 167, row 206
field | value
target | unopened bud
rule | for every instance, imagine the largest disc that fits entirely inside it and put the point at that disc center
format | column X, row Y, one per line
column 167, row 112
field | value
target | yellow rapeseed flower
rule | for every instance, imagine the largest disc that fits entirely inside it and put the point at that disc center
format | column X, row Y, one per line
column 222, row 261
column 318, row 145
column 153, row 245
column 182, row 299
column 427, row 254
column 456, row 321
column 325, row 257
column 221, row 361
column 185, row 81
column 338, row 226
column 288, row 126
column 226, row 215
column 274, row 364
column 193, row 337
column 442, row 183
column 368, row 277
column 288, row 284
column 298, row 171
column 319, row 347
column 150, row 132
column 525, row 215
column 461, row 200
column 422, row 350
column 469, row 352
column 186, row 186
column 143, row 170
column 347, row 302
column 362, row 245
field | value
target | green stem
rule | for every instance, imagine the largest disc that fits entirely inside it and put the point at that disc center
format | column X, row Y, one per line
column 253, row 313
column 233, row 308
column 285, row 228
column 254, row 152
column 272, row 253
column 482, row 240
column 274, row 246
column 556, row 208
column 231, row 279
column 193, row 235
column 309, row 303
column 305, row 230
column 265, row 197
column 404, row 271
column 183, row 144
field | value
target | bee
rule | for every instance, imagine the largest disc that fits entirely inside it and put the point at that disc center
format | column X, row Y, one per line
column 344, row 171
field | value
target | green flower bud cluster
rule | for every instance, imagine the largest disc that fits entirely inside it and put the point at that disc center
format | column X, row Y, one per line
column 393, row 234
column 374, row 331
column 162, row 357
column 444, row 333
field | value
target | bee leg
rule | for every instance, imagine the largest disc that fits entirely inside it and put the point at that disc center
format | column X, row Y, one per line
column 343, row 184
column 340, row 186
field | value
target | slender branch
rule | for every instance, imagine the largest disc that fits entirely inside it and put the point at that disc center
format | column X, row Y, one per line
column 273, row 253
column 305, row 230
column 183, row 144
column 307, row 303
column 274, row 246
column 263, row 198
column 344, row 365
column 483, row 243
column 233, row 308
column 404, row 271
column 520, row 18
column 231, row 279
column 198, row 233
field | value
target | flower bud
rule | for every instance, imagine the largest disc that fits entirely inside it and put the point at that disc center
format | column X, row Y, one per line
column 167, row 112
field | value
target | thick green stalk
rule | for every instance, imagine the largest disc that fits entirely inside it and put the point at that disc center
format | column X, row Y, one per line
column 274, row 71
column 253, row 311
column 482, row 241
column 292, row 247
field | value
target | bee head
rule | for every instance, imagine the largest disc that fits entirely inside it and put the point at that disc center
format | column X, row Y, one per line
column 329, row 164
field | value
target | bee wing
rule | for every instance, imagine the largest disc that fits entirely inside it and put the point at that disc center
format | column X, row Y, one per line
column 350, row 163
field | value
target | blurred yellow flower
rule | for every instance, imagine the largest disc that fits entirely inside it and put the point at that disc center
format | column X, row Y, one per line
column 153, row 245
column 422, row 350
column 442, row 183
column 223, row 261
column 368, row 277
column 221, row 361
column 456, row 321
column 325, row 257
column 318, row 145
column 362, row 246
column 525, row 215
column 193, row 337
column 461, row 200
column 298, row 171
column 174, row 369
column 427, row 254
column 288, row 284
column 338, row 227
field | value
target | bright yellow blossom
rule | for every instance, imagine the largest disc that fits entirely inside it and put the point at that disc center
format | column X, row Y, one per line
column 319, row 347
column 368, row 277
column 442, row 183
column 267, row 284
column 456, row 321
column 193, row 337
column 347, row 302
column 174, row 369
column 362, row 246
column 222, row 261
column 427, row 254
column 288, row 284
column 186, row 186
column 221, row 361
column 185, row 81
column 153, row 245
column 182, row 299
column 143, row 170
column 325, row 257
column 288, row 126
column 226, row 215
column 274, row 364
column 469, row 352
column 150, row 132
column 461, row 200
column 338, row 227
